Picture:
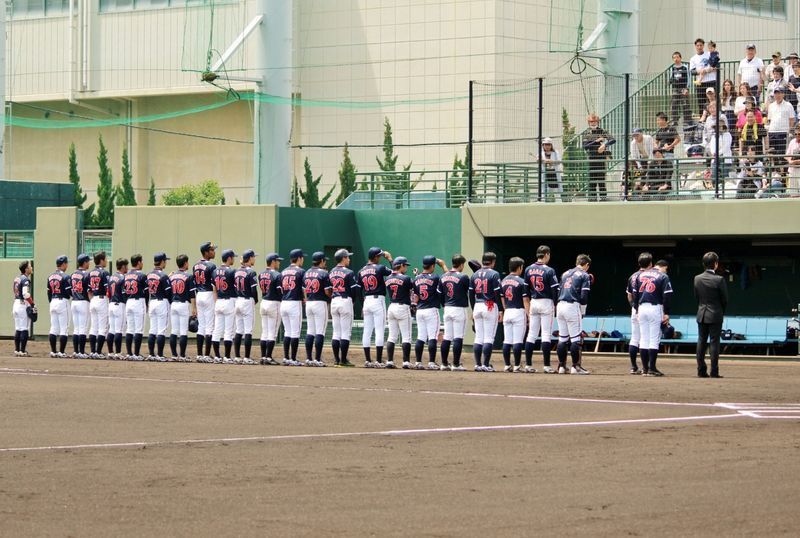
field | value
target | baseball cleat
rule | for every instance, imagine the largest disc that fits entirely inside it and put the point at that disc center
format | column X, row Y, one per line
column 53, row 355
column 237, row 360
column 390, row 365
column 217, row 360
column 347, row 364
column 458, row 368
column 488, row 368
column 321, row 364
column 479, row 368
column 562, row 370
column 444, row 367
column 379, row 365
column 635, row 371
column 656, row 373
column 248, row 361
column 509, row 369
column 578, row 370
column 529, row 370
column 433, row 366
column 287, row 362
column 419, row 366
column 406, row 365
column 368, row 364
column 549, row 370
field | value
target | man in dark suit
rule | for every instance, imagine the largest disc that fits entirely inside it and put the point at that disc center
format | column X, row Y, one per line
column 711, row 292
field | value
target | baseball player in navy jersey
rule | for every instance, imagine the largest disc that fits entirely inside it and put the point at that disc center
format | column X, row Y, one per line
column 343, row 288
column 454, row 289
column 59, row 292
column 575, row 287
column 484, row 296
column 160, row 292
column 98, row 306
column 292, row 306
column 633, row 343
column 516, row 304
column 542, row 284
column 428, row 301
column 269, row 281
column 318, row 290
column 245, row 280
column 182, row 305
column 400, row 287
column 135, row 306
column 372, row 278
column 205, row 299
column 81, row 295
column 22, row 300
column 224, row 308
column 116, row 309
column 651, row 298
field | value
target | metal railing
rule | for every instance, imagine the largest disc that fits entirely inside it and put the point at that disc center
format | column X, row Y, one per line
column 16, row 244
column 96, row 240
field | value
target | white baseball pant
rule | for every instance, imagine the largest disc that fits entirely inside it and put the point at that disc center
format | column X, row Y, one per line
column 80, row 317
column 224, row 317
column 569, row 321
column 270, row 319
column 485, row 323
column 116, row 318
column 134, row 316
column 317, row 317
column 635, row 330
column 205, row 312
column 455, row 322
column 244, row 315
column 59, row 316
column 159, row 315
column 179, row 318
column 513, row 325
column 342, row 317
column 428, row 324
column 98, row 313
column 374, row 319
column 399, row 316
column 20, row 313
column 292, row 317
column 540, row 320
column 650, row 316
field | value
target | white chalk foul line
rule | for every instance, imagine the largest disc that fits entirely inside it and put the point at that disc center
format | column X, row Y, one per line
column 384, row 433
column 44, row 373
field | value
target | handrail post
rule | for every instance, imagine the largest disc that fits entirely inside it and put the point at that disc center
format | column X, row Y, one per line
column 469, row 144
column 625, row 143
column 716, row 137
column 539, row 154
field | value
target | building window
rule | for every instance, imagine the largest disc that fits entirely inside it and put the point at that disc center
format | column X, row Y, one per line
column 36, row 9
column 758, row 8
column 108, row 6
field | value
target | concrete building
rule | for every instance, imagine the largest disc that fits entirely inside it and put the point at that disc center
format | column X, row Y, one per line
column 354, row 63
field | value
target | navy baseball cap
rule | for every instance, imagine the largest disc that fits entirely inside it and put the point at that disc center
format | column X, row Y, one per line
column 638, row 131
column 374, row 252
column 83, row 258
column 273, row 256
column 398, row 261
column 160, row 257
column 205, row 247
column 61, row 260
column 428, row 260
column 318, row 257
column 249, row 253
column 227, row 254
column 778, row 90
column 297, row 253
column 341, row 254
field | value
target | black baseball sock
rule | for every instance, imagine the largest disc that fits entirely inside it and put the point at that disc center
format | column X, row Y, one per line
column 518, row 354
column 529, row 353
column 173, row 344
column 62, row 343
column 248, row 345
column 335, row 347
column 458, row 346
column 561, row 352
column 93, row 343
column 137, row 343
column 270, row 347
column 76, row 343
column 487, row 354
column 309, row 346
column 237, row 345
column 17, row 337
column 82, row 342
column 263, row 348
column 345, row 347
column 319, row 340
column 419, row 345
column 295, row 345
column 161, row 340
column 228, row 346
column 633, row 351
column 200, row 342
column 129, row 343
column 184, row 341
column 406, row 351
column 118, row 342
column 645, row 359
column 151, row 344
column 477, row 350
column 101, row 340
column 379, row 353
column 209, row 341
column 507, row 354
column 287, row 348
column 367, row 355
column 547, row 346
column 575, row 353
column 652, row 355
column 53, row 339
column 23, row 341
column 215, row 345
column 445, row 351
column 390, row 351
column 431, row 350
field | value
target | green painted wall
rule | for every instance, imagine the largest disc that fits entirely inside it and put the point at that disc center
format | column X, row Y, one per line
column 315, row 229
column 19, row 200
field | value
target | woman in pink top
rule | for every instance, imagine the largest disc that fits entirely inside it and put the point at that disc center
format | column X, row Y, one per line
column 749, row 104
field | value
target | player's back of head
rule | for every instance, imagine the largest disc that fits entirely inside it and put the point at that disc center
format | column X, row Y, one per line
column 710, row 259
column 515, row 264
column 121, row 262
column 136, row 259
column 99, row 256
column 645, row 260
column 182, row 261
column 488, row 258
column 542, row 252
column 583, row 259
column 458, row 260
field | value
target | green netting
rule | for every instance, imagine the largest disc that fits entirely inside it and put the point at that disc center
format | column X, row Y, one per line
column 209, row 27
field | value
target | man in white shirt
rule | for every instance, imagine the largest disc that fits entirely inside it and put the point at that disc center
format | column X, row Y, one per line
column 777, row 61
column 793, row 159
column 698, row 65
column 780, row 121
column 641, row 148
column 751, row 72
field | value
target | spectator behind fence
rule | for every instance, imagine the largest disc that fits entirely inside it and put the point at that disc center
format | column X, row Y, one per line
column 698, row 65
column 725, row 153
column 780, row 121
column 777, row 61
column 741, row 98
column 777, row 82
column 713, row 62
column 659, row 173
column 751, row 175
column 751, row 71
column 709, row 119
column 752, row 135
column 596, row 142
column 641, row 150
column 666, row 136
column 793, row 160
column 727, row 101
column 553, row 171
column 793, row 86
column 679, row 81
column 750, row 106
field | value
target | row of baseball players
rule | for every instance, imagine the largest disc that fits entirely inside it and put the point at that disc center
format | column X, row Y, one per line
column 224, row 298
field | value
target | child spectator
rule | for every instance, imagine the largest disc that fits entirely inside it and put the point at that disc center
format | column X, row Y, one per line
column 679, row 81
column 713, row 62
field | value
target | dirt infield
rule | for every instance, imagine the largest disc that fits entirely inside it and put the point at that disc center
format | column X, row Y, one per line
column 99, row 448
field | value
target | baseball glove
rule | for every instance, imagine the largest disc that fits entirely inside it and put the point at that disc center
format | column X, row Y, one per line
column 193, row 324
column 33, row 314
column 474, row 265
